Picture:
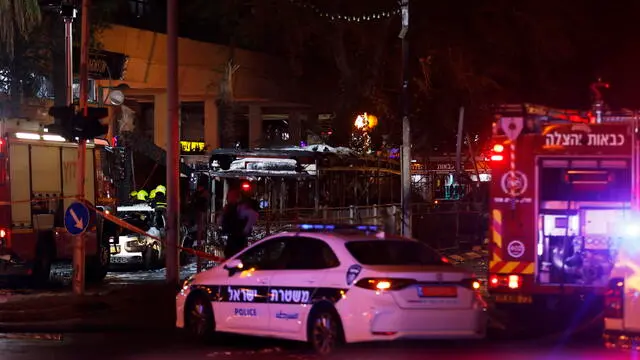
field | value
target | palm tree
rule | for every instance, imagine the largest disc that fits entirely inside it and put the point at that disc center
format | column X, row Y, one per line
column 17, row 18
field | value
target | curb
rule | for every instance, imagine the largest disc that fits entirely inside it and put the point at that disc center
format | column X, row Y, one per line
column 31, row 336
column 75, row 325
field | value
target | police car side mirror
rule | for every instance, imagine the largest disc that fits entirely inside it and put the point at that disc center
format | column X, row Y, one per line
column 233, row 266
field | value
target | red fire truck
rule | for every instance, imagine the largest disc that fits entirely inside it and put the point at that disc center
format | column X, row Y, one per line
column 37, row 183
column 563, row 181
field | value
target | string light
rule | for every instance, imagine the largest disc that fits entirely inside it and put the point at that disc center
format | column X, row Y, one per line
column 347, row 18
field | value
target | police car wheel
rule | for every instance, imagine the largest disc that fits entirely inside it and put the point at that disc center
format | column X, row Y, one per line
column 324, row 332
column 199, row 318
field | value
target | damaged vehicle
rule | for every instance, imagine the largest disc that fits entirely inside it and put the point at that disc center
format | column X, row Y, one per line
column 139, row 249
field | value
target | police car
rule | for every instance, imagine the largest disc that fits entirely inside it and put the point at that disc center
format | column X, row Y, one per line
column 324, row 284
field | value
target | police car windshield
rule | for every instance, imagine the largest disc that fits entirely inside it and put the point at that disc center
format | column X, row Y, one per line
column 393, row 252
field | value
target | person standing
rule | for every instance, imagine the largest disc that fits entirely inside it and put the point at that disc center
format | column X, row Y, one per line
column 237, row 221
column 200, row 204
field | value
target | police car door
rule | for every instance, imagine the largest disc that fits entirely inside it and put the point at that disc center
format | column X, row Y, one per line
column 244, row 295
column 311, row 266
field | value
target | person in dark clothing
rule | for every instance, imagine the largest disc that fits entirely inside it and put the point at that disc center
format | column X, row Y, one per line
column 237, row 221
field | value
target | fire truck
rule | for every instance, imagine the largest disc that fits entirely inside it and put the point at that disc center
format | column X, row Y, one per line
column 37, row 184
column 564, row 183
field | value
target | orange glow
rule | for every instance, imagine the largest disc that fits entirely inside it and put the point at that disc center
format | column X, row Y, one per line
column 365, row 122
column 498, row 148
column 514, row 281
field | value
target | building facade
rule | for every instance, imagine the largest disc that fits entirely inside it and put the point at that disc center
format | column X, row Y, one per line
column 264, row 97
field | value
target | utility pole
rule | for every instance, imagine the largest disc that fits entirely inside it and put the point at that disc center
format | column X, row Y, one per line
column 79, row 248
column 173, row 139
column 406, row 125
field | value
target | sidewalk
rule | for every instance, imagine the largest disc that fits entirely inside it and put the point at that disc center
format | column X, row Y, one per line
column 126, row 307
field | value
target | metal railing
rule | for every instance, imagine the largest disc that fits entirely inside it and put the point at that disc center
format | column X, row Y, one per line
column 439, row 228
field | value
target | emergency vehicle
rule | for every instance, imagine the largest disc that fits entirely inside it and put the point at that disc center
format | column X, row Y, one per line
column 324, row 284
column 37, row 184
column 564, row 181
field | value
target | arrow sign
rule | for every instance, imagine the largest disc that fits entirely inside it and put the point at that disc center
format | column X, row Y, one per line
column 79, row 222
column 512, row 126
column 76, row 218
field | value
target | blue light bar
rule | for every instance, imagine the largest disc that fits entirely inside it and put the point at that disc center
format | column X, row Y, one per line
column 332, row 227
column 367, row 228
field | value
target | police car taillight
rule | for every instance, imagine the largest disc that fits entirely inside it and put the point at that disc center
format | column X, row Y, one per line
column 473, row 284
column 614, row 299
column 384, row 284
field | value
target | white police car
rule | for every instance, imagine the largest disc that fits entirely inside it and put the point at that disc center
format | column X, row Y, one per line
column 325, row 285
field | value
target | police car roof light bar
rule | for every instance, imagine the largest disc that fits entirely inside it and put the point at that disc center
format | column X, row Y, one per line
column 333, row 227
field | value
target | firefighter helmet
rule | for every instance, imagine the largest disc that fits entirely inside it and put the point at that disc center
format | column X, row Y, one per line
column 142, row 195
column 161, row 189
column 133, row 194
column 152, row 194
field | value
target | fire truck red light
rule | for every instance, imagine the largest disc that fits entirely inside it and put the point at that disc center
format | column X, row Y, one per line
column 3, row 233
column 498, row 148
column 497, row 157
column 246, row 186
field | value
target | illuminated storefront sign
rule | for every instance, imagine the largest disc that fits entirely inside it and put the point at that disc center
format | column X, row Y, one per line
column 192, row 147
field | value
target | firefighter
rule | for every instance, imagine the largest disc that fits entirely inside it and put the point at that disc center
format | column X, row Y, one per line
column 141, row 196
column 133, row 196
column 152, row 196
column 160, row 198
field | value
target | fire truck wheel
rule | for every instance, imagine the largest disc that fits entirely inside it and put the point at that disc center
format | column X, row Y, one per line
column 151, row 257
column 44, row 257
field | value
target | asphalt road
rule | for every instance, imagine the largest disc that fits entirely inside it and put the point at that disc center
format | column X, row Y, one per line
column 174, row 346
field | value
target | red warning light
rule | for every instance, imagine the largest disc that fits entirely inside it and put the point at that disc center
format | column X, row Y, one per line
column 498, row 148
column 497, row 157
column 246, row 186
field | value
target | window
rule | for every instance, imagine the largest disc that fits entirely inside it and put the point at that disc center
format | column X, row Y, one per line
column 266, row 256
column 136, row 221
column 139, row 8
column 393, row 252
column 309, row 254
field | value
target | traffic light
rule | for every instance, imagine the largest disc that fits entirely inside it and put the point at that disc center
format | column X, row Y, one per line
column 63, row 118
column 120, row 162
column 72, row 124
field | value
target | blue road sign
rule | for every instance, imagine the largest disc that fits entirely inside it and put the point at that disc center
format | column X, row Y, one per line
column 76, row 218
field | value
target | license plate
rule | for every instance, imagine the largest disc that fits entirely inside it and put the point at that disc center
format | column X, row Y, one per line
column 115, row 249
column 438, row 291
column 513, row 298
column 120, row 260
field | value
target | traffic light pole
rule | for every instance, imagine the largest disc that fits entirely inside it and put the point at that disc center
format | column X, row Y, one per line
column 79, row 248
column 173, row 139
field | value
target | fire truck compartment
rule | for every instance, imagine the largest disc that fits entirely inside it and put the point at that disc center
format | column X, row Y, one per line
column 582, row 206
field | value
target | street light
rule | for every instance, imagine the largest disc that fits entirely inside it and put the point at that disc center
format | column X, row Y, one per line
column 406, row 126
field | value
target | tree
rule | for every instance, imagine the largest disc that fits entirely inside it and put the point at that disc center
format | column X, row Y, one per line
column 18, row 19
column 32, row 50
